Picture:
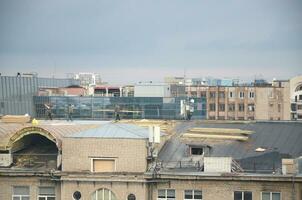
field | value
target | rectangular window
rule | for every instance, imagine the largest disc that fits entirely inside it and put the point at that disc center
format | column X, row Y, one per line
column 300, row 97
column 252, row 95
column 46, row 193
column 221, row 107
column 270, row 196
column 231, row 94
column 196, row 150
column 251, row 107
column 231, row 107
column 103, row 165
column 241, row 107
column 212, row 107
column 193, row 194
column 212, row 94
column 279, row 107
column 167, row 194
column 21, row 193
column 241, row 95
column 242, row 195
column 221, row 95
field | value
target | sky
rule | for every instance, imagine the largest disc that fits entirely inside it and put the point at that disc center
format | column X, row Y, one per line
column 128, row 41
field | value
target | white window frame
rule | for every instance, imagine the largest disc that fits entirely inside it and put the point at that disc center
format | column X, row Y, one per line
column 103, row 189
column 46, row 196
column 166, row 195
column 241, row 94
column 242, row 193
column 271, row 194
column 20, row 195
column 193, row 192
column 251, row 94
column 102, row 158
column 231, row 94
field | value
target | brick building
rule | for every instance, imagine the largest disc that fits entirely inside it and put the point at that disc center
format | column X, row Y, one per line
column 258, row 102
column 193, row 160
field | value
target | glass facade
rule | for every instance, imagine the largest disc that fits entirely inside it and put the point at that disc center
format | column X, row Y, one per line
column 106, row 107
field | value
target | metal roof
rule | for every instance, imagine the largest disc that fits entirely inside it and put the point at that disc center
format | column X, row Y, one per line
column 115, row 130
column 280, row 139
column 57, row 128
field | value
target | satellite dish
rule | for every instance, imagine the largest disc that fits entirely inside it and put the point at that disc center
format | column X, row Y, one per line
column 77, row 195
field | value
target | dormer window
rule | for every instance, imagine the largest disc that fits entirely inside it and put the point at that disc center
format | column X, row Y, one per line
column 196, row 150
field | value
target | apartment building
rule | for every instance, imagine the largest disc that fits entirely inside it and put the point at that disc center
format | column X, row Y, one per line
column 258, row 102
column 114, row 161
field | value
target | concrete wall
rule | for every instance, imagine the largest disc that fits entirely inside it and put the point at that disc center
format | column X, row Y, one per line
column 7, row 183
column 218, row 190
column 130, row 154
column 268, row 101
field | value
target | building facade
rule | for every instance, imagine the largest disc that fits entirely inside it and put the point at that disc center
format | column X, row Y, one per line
column 116, row 161
column 258, row 102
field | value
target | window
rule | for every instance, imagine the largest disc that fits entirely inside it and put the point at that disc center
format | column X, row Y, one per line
column 241, row 95
column 221, row 107
column 251, row 107
column 231, row 94
column 231, row 107
column 279, row 107
column 252, row 95
column 212, row 107
column 270, row 196
column 241, row 107
column 131, row 197
column 20, row 193
column 193, row 194
column 46, row 193
column 300, row 97
column 212, row 94
column 242, row 195
column 103, row 165
column 196, row 150
column 221, row 95
column 103, row 194
column 168, row 194
column 299, row 107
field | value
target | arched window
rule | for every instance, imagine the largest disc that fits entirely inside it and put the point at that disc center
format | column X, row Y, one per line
column 103, row 194
column 298, row 88
column 131, row 197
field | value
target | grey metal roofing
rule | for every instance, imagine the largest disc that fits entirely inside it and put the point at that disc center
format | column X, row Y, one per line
column 115, row 130
column 280, row 139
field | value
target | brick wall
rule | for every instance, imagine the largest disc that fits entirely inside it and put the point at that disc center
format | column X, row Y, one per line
column 130, row 154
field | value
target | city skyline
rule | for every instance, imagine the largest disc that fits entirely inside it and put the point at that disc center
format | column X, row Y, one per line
column 132, row 41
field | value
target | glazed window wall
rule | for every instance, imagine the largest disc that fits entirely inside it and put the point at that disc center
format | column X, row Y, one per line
column 106, row 107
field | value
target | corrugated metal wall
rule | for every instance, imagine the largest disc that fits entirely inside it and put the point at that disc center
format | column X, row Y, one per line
column 57, row 82
column 16, row 95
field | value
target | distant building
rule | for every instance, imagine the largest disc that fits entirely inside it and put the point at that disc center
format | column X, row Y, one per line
column 88, row 79
column 152, row 90
column 261, row 101
column 16, row 92
column 174, row 80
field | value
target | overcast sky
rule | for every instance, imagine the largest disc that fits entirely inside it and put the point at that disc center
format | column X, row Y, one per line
column 128, row 41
